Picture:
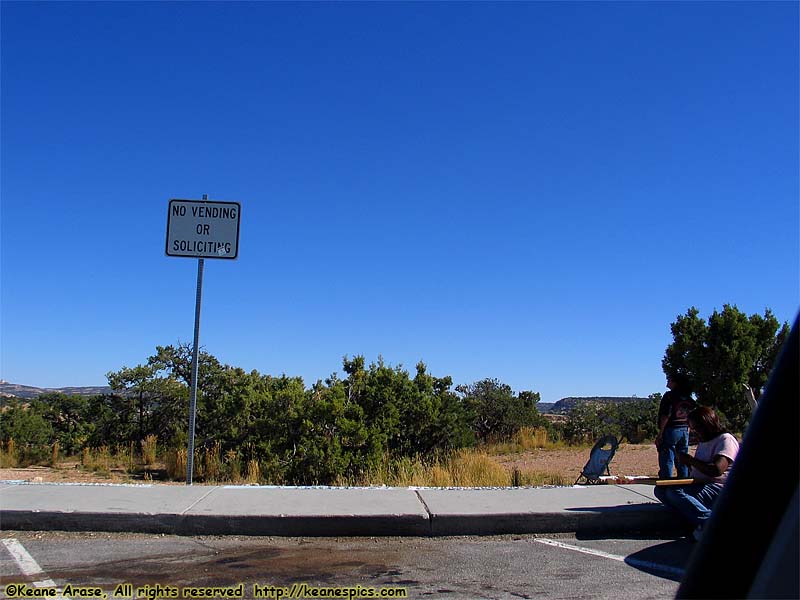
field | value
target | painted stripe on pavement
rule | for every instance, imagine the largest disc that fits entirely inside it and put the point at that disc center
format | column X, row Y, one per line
column 26, row 564
column 634, row 562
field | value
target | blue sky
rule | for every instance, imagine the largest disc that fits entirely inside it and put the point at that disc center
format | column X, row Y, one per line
column 527, row 191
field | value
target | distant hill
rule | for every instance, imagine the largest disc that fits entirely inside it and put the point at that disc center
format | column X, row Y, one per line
column 563, row 406
column 16, row 390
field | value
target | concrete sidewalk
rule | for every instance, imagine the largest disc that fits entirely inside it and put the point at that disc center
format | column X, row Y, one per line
column 320, row 511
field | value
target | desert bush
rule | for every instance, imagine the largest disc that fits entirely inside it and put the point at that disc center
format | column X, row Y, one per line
column 54, row 455
column 175, row 464
column 149, row 446
column 639, row 420
column 98, row 460
column 32, row 433
column 128, row 454
column 8, row 454
column 253, row 472
column 213, row 462
column 496, row 412
column 234, row 466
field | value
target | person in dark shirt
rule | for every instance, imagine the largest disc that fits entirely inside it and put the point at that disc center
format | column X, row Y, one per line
column 673, row 426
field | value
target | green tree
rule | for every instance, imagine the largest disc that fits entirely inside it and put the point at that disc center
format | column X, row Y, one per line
column 176, row 363
column 268, row 424
column 339, row 428
column 146, row 401
column 407, row 416
column 638, row 420
column 32, row 434
column 328, row 437
column 723, row 355
column 635, row 421
column 588, row 421
column 113, row 420
column 69, row 418
column 444, row 420
column 497, row 413
column 152, row 398
column 137, row 386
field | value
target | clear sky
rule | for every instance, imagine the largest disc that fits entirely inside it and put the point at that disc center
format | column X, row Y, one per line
column 526, row 191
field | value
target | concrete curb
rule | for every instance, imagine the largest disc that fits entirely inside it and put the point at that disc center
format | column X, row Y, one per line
column 650, row 520
column 311, row 526
column 326, row 512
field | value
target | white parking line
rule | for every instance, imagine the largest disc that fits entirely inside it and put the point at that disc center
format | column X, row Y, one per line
column 26, row 564
column 634, row 562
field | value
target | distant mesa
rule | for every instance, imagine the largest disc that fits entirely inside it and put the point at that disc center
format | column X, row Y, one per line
column 16, row 390
column 563, row 406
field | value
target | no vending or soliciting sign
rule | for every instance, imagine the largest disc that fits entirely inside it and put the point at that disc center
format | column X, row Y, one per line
column 203, row 229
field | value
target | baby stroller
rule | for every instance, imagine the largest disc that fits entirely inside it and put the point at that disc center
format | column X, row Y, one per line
column 599, row 458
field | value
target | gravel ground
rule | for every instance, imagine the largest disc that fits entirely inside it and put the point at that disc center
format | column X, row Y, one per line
column 630, row 460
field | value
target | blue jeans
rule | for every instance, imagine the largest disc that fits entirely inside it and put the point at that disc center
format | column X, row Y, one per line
column 693, row 501
column 674, row 440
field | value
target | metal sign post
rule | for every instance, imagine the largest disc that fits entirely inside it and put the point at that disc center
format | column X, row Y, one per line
column 201, row 229
column 195, row 369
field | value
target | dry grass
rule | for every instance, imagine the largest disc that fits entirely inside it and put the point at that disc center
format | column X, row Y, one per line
column 213, row 468
column 213, row 463
column 465, row 468
column 125, row 455
column 234, row 466
column 471, row 468
column 525, row 440
column 149, row 447
column 123, row 459
column 491, row 465
column 8, row 455
column 54, row 455
column 175, row 463
column 253, row 472
column 98, row 460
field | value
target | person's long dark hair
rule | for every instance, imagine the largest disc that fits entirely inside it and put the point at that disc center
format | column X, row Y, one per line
column 682, row 384
column 706, row 422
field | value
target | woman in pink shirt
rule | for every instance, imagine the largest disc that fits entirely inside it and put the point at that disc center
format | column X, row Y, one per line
column 709, row 468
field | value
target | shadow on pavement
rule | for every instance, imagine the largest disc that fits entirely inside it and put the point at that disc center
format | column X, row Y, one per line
column 667, row 560
column 651, row 507
column 630, row 521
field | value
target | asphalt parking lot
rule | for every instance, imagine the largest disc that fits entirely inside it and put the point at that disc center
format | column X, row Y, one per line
column 511, row 566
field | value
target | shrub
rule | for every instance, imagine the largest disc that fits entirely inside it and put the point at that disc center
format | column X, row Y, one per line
column 253, row 472
column 234, row 466
column 8, row 454
column 175, row 464
column 99, row 460
column 149, row 444
column 213, row 462
column 54, row 455
column 496, row 412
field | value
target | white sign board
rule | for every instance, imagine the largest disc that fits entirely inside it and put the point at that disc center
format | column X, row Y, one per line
column 203, row 229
